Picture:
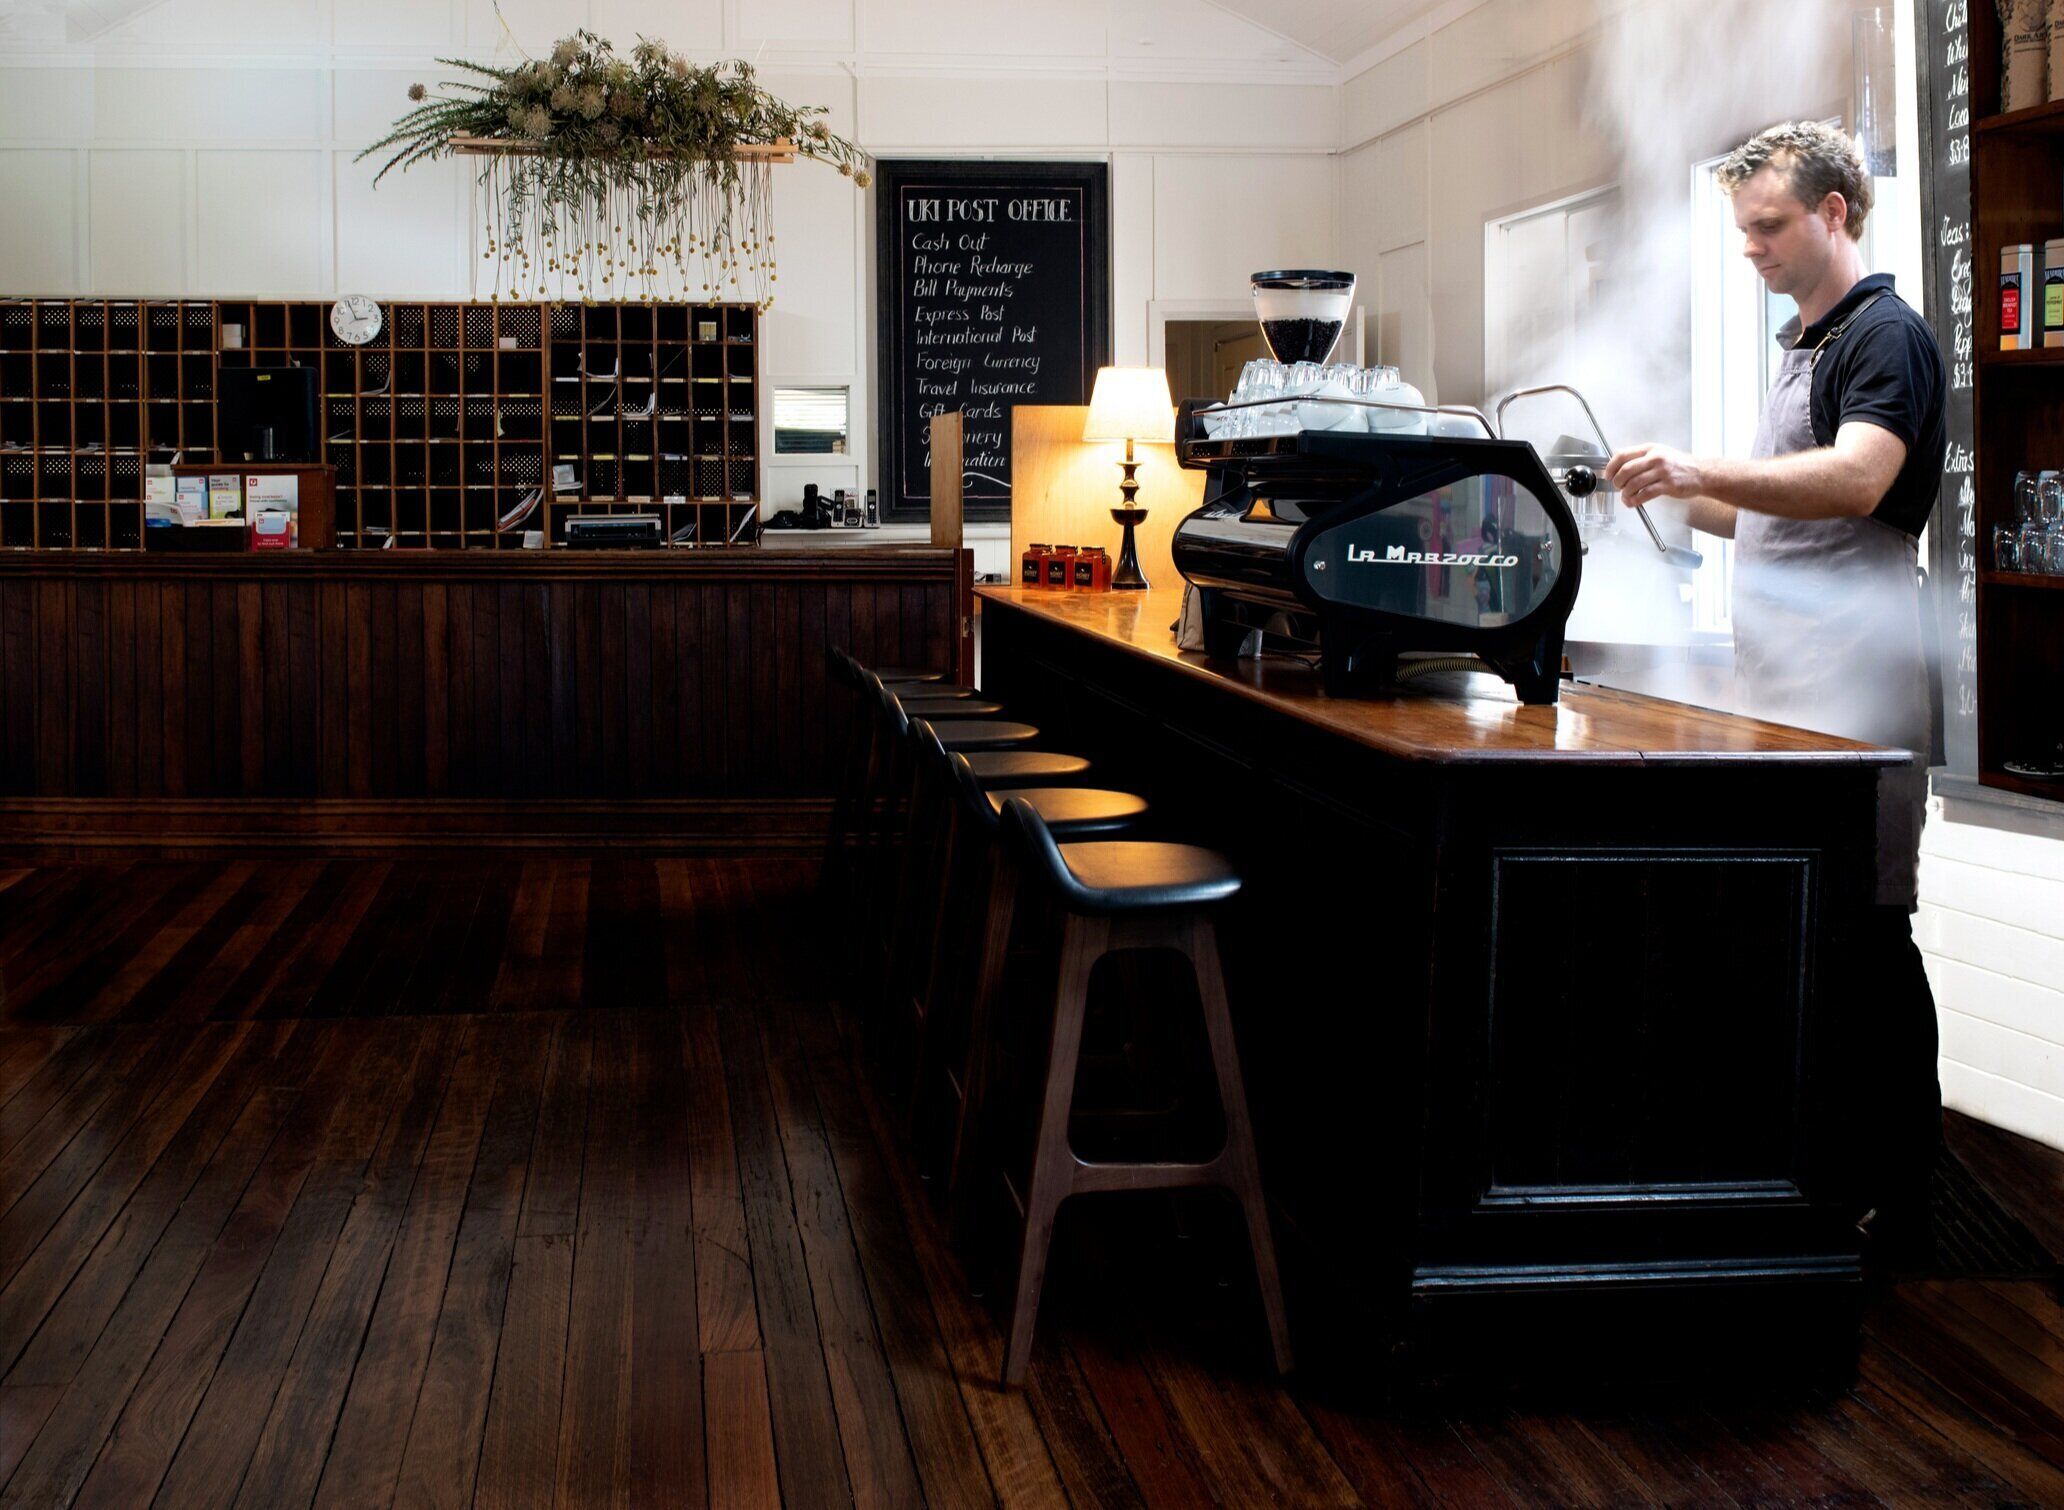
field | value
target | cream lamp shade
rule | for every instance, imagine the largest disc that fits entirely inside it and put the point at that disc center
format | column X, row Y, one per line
column 1131, row 403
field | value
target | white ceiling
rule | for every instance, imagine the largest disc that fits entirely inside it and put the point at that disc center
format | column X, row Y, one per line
column 1338, row 29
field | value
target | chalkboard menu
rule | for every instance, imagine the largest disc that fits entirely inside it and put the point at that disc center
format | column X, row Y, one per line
column 1945, row 110
column 992, row 288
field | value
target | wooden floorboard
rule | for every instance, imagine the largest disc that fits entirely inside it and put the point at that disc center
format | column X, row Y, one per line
column 363, row 1182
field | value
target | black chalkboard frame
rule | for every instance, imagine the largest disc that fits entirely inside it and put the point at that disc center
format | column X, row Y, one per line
column 1943, row 94
column 1092, row 177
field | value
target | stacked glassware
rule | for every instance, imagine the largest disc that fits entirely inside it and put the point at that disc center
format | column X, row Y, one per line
column 2033, row 541
column 1282, row 398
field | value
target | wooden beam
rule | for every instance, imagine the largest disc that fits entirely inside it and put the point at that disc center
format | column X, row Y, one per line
column 783, row 151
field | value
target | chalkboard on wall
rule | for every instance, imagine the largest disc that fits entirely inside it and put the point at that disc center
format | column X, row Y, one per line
column 1944, row 94
column 992, row 288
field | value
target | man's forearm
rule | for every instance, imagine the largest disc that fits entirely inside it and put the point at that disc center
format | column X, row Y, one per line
column 1711, row 516
column 1817, row 484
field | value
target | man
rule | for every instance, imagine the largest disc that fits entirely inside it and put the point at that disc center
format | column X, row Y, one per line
column 1825, row 517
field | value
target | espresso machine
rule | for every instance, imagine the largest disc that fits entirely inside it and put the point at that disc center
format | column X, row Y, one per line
column 1368, row 529
column 1369, row 547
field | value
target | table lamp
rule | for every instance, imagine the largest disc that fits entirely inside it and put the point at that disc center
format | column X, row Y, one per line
column 1130, row 404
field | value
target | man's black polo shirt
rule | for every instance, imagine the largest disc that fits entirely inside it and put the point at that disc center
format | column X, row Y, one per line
column 1885, row 368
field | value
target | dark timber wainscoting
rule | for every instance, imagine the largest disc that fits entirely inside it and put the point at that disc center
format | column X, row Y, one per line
column 380, row 701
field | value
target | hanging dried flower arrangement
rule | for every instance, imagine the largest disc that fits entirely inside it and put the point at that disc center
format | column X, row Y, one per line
column 613, row 178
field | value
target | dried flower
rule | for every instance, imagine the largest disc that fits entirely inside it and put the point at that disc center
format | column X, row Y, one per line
column 846, row 169
column 562, row 100
column 589, row 101
column 566, row 51
column 418, row 93
column 863, row 178
column 608, row 133
column 678, row 66
column 537, row 122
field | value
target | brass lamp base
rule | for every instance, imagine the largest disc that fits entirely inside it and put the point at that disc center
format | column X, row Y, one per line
column 1126, row 574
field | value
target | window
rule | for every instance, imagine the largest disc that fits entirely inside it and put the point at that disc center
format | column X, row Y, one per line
column 810, row 421
column 1543, row 272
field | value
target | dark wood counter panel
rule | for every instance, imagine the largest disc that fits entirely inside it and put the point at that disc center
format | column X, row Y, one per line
column 1546, row 1011
column 379, row 699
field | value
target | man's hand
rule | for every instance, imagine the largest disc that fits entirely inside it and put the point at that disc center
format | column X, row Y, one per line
column 1644, row 473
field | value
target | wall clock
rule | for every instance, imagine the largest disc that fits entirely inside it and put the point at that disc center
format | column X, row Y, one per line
column 355, row 319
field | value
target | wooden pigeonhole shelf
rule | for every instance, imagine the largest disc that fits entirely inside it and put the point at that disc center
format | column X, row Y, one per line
column 445, row 429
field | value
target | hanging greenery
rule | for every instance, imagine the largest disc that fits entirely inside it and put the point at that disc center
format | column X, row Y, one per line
column 610, row 176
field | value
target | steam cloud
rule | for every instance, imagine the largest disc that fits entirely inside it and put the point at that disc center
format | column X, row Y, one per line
column 1668, row 83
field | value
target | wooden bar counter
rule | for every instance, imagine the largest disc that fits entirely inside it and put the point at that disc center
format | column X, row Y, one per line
column 1543, row 1008
column 381, row 701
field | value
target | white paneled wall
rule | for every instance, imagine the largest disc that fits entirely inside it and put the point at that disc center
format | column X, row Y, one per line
column 208, row 146
column 1992, row 926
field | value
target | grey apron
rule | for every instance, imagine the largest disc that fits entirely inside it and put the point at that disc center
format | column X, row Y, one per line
column 1827, row 629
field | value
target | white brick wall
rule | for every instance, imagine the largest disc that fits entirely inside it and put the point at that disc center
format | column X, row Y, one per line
column 1991, row 926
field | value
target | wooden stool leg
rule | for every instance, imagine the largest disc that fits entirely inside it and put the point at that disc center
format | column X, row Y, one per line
column 913, row 873
column 845, row 803
column 968, row 1141
column 931, row 969
column 1053, row 1161
column 1242, row 1168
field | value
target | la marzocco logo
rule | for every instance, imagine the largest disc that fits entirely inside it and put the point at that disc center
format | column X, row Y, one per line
column 1397, row 555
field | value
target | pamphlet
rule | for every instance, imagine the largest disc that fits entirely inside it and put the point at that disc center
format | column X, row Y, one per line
column 225, row 495
column 191, row 499
column 272, row 490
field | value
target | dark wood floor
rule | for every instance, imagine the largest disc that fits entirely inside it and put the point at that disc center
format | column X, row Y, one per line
column 349, row 1183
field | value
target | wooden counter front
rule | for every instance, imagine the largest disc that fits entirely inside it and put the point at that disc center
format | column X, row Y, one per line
column 1548, row 1012
column 383, row 700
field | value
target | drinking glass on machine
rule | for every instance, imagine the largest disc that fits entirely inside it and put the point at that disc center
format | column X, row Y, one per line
column 1233, row 424
column 1268, row 382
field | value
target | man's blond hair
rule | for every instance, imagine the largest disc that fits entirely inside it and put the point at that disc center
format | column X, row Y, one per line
column 1816, row 160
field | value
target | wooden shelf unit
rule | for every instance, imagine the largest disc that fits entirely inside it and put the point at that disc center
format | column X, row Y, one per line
column 90, row 391
column 442, row 426
column 2017, row 195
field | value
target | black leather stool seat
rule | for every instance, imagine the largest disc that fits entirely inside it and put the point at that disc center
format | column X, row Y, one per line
column 983, row 733
column 929, row 689
column 949, row 707
column 1125, row 875
column 907, row 673
column 1076, row 812
column 997, row 767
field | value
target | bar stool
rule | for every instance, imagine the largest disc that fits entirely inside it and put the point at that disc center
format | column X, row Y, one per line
column 850, row 791
column 906, row 673
column 943, row 1004
column 892, row 800
column 1113, row 895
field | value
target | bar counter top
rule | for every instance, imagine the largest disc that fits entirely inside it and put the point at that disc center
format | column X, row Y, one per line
column 1450, row 717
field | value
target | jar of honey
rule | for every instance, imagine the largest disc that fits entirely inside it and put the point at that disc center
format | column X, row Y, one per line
column 1092, row 569
column 1032, row 565
column 1059, row 566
